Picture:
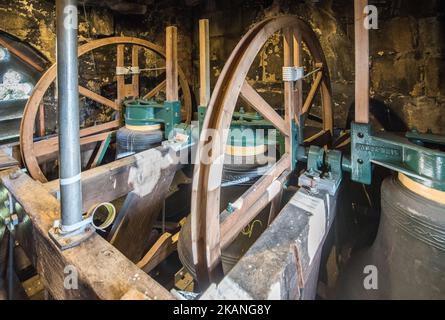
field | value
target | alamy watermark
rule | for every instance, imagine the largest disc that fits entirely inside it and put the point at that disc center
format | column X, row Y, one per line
column 71, row 14
column 371, row 280
column 371, row 21
column 71, row 279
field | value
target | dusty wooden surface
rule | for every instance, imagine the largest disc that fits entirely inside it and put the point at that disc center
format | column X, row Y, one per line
column 7, row 161
column 104, row 273
column 361, row 63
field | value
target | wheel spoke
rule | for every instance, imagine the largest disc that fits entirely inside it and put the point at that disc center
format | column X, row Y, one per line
column 252, row 97
column 321, row 138
column 310, row 98
column 98, row 98
column 155, row 90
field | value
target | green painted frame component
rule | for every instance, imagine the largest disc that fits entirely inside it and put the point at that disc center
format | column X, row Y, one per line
column 201, row 115
column 404, row 154
column 104, row 150
column 148, row 112
column 241, row 121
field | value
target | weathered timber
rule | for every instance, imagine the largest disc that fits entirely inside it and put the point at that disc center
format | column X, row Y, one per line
column 118, row 178
column 104, row 273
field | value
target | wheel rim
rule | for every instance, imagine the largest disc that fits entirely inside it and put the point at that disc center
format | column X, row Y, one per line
column 30, row 154
column 207, row 235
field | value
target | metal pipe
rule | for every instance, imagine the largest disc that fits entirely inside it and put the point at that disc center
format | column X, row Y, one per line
column 68, row 106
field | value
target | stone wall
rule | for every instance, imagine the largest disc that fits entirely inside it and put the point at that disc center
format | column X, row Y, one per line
column 407, row 56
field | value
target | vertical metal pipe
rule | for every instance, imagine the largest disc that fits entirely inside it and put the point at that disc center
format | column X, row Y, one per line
column 68, row 106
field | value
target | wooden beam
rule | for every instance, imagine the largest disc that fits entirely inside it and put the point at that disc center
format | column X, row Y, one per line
column 121, row 94
column 171, row 63
column 257, row 102
column 141, row 209
column 289, row 92
column 160, row 251
column 135, row 77
column 361, row 63
column 310, row 97
column 118, row 178
column 20, row 55
column 298, row 62
column 6, row 161
column 103, row 272
column 51, row 145
column 155, row 90
column 98, row 98
column 204, row 62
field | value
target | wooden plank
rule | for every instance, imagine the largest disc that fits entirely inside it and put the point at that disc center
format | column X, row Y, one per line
column 121, row 94
column 104, row 273
column 257, row 102
column 7, row 161
column 155, row 90
column 204, row 62
column 21, row 56
column 141, row 209
column 171, row 63
column 361, row 63
column 258, row 195
column 118, row 178
column 50, row 146
column 289, row 92
column 298, row 62
column 163, row 247
column 98, row 98
column 311, row 95
column 135, row 63
column 87, row 135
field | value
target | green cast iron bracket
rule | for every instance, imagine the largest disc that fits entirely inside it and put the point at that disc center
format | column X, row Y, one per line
column 149, row 112
column 405, row 154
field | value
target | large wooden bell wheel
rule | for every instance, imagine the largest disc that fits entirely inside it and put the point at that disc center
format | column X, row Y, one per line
column 36, row 152
column 212, row 230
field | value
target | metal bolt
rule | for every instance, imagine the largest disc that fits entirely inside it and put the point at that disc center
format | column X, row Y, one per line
column 15, row 175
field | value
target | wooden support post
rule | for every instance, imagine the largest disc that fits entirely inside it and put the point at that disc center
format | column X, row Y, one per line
column 361, row 63
column 160, row 251
column 103, row 272
column 289, row 92
column 120, row 78
column 204, row 62
column 135, row 77
column 171, row 64
column 298, row 62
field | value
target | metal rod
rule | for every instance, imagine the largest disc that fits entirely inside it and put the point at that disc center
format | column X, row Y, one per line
column 68, row 106
column 11, row 266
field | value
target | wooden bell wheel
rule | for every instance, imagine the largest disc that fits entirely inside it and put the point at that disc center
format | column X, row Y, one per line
column 212, row 230
column 36, row 152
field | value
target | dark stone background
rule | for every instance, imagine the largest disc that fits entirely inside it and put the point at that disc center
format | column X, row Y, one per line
column 407, row 51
